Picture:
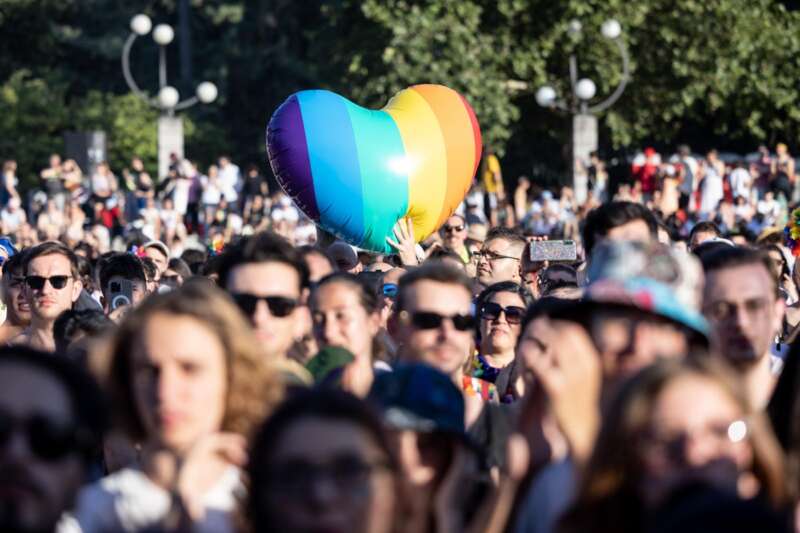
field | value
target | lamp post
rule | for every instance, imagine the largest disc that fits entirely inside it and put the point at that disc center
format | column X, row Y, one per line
column 578, row 105
column 168, row 100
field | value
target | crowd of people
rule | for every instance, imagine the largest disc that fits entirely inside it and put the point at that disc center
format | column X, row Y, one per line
column 192, row 354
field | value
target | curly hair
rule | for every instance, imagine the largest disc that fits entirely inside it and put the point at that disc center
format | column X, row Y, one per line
column 254, row 386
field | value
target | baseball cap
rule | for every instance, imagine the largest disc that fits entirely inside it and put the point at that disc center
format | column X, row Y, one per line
column 343, row 254
column 420, row 398
column 158, row 245
column 7, row 248
column 651, row 277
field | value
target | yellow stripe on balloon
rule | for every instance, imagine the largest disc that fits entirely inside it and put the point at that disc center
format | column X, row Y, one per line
column 425, row 148
column 459, row 139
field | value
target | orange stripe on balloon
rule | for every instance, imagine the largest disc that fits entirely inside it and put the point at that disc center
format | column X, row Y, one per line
column 476, row 131
column 424, row 149
column 459, row 143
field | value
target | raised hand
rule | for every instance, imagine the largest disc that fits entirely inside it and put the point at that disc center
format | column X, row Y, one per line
column 404, row 245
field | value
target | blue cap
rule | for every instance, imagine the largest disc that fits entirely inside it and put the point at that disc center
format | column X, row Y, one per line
column 7, row 246
column 420, row 398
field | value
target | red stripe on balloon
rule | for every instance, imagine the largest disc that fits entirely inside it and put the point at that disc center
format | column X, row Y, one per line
column 476, row 131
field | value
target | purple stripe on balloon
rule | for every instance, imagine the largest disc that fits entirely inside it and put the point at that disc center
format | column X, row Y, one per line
column 288, row 155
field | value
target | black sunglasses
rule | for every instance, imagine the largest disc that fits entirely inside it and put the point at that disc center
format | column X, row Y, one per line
column 514, row 314
column 429, row 320
column 453, row 229
column 47, row 439
column 279, row 306
column 37, row 282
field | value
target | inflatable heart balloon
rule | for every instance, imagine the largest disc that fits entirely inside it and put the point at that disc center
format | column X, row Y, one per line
column 357, row 171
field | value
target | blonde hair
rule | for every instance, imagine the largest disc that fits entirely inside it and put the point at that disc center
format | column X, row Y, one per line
column 254, row 385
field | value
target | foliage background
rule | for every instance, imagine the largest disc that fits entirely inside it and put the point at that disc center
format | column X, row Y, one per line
column 720, row 73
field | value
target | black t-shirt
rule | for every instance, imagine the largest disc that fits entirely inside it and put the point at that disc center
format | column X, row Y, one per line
column 252, row 185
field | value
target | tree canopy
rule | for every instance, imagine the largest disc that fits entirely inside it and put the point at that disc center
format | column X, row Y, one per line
column 718, row 74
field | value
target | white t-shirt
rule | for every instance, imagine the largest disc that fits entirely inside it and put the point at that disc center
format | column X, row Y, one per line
column 128, row 501
column 229, row 180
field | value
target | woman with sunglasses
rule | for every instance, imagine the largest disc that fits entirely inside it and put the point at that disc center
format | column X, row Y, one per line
column 501, row 308
column 189, row 383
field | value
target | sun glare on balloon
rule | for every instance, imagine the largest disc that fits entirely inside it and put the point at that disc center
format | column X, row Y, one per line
column 402, row 165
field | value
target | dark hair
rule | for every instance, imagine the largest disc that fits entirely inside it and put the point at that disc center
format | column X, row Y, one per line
column 126, row 266
column 784, row 263
column 504, row 286
column 736, row 256
column 440, row 254
column 51, row 248
column 513, row 236
column 179, row 266
column 608, row 216
column 13, row 265
column 71, row 322
column 327, row 404
column 436, row 271
column 308, row 249
column 548, row 306
column 261, row 248
column 88, row 400
column 195, row 259
column 87, row 249
column 705, row 226
column 367, row 296
column 150, row 268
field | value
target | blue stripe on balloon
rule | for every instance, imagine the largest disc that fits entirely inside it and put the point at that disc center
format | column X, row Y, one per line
column 384, row 173
column 334, row 164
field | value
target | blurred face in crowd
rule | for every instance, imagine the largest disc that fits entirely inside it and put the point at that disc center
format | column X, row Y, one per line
column 500, row 319
column 743, row 311
column 318, row 266
column 436, row 325
column 275, row 316
column 40, row 473
column 19, row 311
column 46, row 300
column 696, row 432
column 330, row 475
column 340, row 319
column 179, row 381
column 158, row 257
column 454, row 232
column 499, row 261
column 700, row 237
column 634, row 230
column 628, row 340
column 424, row 456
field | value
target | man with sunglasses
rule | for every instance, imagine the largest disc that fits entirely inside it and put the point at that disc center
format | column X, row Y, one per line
column 48, row 440
column 454, row 235
column 266, row 277
column 499, row 258
column 52, row 286
column 433, row 320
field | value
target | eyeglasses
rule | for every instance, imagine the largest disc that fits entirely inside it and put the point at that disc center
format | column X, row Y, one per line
column 453, row 229
column 430, row 320
column 279, row 306
column 37, row 282
column 492, row 256
column 492, row 311
column 349, row 474
column 390, row 290
column 672, row 446
column 48, row 439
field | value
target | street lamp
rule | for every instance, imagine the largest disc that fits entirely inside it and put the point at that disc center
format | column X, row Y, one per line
column 584, row 120
column 170, row 127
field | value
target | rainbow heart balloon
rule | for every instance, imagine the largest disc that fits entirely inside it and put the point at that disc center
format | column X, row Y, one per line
column 357, row 171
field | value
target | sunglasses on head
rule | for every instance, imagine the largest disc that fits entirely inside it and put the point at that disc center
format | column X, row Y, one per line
column 430, row 320
column 492, row 311
column 390, row 290
column 47, row 439
column 279, row 306
column 37, row 282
